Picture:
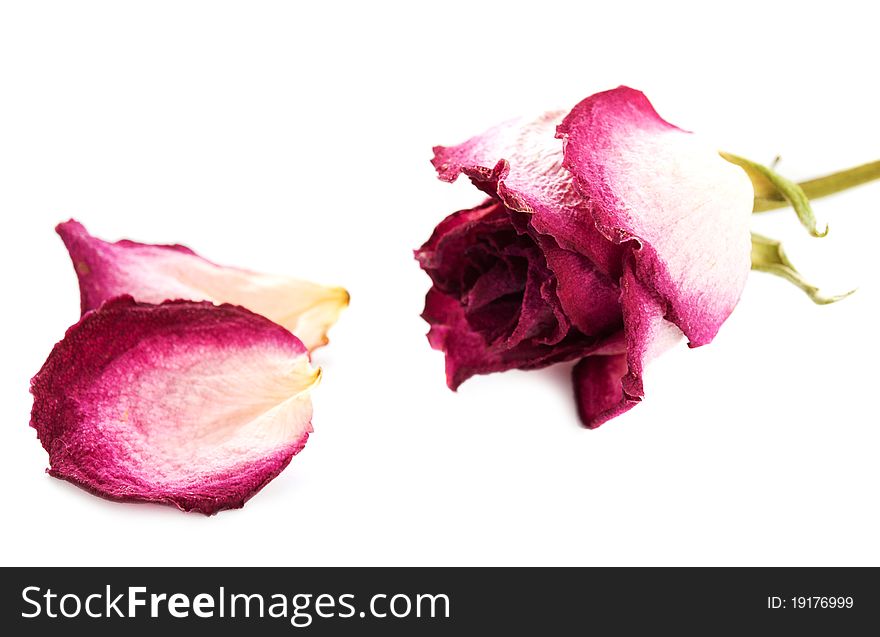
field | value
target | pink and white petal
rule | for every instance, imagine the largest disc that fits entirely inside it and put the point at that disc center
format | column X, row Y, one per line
column 609, row 381
column 521, row 163
column 156, row 273
column 647, row 332
column 684, row 208
column 521, row 157
column 184, row 403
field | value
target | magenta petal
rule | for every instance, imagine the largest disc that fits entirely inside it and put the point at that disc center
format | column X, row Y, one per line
column 521, row 163
column 184, row 403
column 156, row 273
column 684, row 209
column 590, row 299
column 646, row 332
column 598, row 391
column 468, row 353
column 455, row 225
column 609, row 382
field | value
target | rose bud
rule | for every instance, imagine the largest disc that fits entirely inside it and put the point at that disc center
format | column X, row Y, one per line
column 608, row 234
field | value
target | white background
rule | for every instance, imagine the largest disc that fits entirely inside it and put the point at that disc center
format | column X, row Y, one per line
column 295, row 138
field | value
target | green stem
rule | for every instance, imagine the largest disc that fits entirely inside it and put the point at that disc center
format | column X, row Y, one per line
column 823, row 186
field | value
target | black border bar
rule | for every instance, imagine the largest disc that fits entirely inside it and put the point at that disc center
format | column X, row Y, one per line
column 498, row 600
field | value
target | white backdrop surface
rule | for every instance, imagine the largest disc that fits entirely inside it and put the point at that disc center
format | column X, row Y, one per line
column 295, row 138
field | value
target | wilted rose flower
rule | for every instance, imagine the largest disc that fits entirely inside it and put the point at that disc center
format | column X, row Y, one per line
column 608, row 233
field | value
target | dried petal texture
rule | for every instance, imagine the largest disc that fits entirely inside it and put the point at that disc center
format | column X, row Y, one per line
column 522, row 164
column 497, row 303
column 519, row 160
column 156, row 273
column 598, row 388
column 184, row 403
column 684, row 209
column 642, row 231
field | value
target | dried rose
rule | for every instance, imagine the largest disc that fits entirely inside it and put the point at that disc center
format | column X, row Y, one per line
column 184, row 403
column 608, row 233
column 156, row 273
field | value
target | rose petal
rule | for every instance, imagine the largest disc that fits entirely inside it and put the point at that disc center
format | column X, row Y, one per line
column 540, row 315
column 156, row 273
column 647, row 333
column 468, row 354
column 685, row 210
column 183, row 403
column 455, row 225
column 521, row 162
column 609, row 382
column 598, row 389
column 589, row 297
column 444, row 255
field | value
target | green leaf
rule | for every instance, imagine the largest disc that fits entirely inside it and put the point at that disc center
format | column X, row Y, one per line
column 770, row 186
column 768, row 256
